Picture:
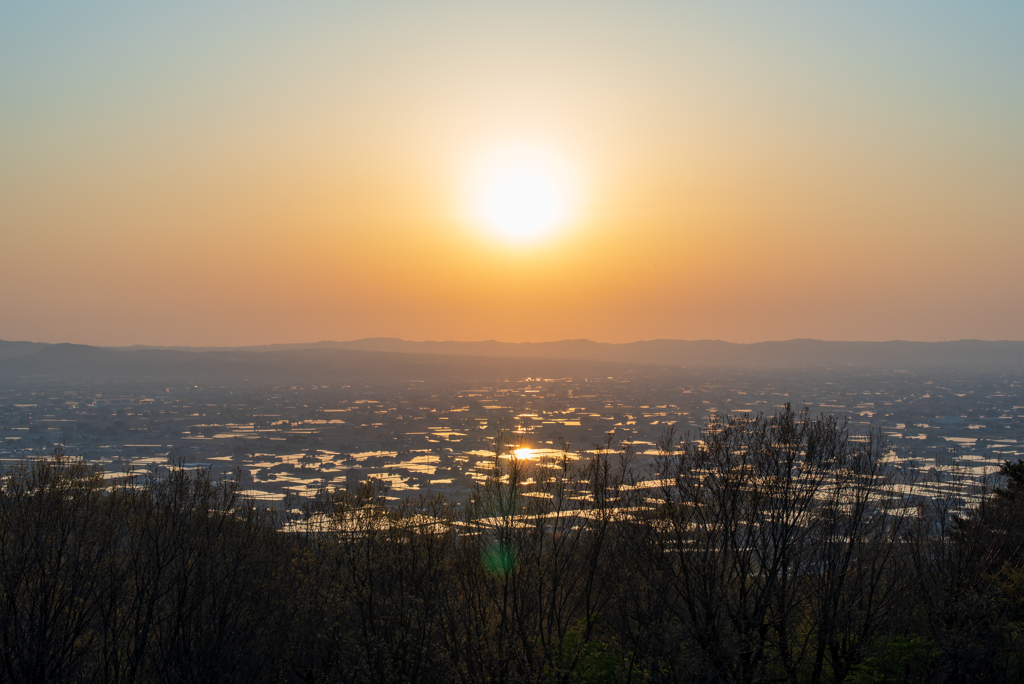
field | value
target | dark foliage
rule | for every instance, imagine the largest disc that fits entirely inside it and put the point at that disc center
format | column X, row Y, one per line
column 771, row 549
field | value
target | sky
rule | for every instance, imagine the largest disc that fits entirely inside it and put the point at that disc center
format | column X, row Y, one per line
column 231, row 173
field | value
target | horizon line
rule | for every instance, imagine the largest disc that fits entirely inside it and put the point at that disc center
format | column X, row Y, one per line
column 500, row 342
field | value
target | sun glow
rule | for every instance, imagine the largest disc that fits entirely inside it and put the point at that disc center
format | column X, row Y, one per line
column 523, row 453
column 522, row 194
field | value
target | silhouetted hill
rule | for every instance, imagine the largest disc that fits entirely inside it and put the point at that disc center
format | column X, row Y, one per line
column 390, row 360
column 895, row 354
column 77, row 362
column 10, row 350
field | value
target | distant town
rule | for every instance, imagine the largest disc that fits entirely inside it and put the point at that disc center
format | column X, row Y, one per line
column 436, row 437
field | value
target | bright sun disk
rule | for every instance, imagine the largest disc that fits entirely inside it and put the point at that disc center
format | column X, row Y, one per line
column 522, row 195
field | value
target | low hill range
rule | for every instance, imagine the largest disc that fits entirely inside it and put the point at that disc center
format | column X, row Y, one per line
column 391, row 359
column 315, row 365
column 801, row 352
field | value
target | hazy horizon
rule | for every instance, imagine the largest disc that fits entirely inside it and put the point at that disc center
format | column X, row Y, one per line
column 497, row 341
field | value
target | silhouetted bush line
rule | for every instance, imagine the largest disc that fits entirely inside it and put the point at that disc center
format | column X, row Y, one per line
column 771, row 549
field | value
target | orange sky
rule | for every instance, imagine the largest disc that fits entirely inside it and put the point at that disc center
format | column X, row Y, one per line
column 262, row 174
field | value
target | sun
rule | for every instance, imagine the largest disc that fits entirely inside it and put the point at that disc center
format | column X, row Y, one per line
column 521, row 194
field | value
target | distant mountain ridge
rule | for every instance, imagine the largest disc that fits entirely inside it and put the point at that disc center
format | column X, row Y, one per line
column 327, row 366
column 799, row 352
column 10, row 350
column 392, row 359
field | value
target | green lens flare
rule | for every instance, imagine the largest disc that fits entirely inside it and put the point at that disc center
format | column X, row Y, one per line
column 498, row 559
